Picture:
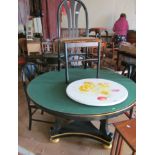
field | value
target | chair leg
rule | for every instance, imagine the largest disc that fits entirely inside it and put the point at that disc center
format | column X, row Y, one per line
column 131, row 112
column 30, row 122
column 114, row 143
column 129, row 71
column 30, row 115
column 123, row 72
column 42, row 112
column 119, row 145
column 133, row 74
column 134, row 153
column 58, row 65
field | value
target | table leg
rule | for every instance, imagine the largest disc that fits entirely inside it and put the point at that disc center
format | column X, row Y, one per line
column 104, row 129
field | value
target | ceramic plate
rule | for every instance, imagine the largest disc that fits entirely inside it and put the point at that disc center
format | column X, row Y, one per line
column 97, row 92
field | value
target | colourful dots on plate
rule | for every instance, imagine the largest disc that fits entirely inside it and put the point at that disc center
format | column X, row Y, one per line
column 115, row 90
column 102, row 98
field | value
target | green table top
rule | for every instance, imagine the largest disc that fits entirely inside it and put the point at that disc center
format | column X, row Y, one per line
column 49, row 92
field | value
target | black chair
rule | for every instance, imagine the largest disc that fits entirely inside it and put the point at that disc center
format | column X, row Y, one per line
column 29, row 72
column 75, row 48
column 129, row 71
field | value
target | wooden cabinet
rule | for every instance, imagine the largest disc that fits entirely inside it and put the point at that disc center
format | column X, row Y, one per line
column 131, row 36
column 34, row 47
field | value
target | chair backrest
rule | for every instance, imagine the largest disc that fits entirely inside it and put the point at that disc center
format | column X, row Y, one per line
column 46, row 47
column 29, row 72
column 131, row 36
column 75, row 47
column 72, row 8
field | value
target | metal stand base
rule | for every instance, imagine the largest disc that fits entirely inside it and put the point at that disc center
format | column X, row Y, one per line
column 80, row 128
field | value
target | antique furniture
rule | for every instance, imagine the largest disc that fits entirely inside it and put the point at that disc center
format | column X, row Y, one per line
column 34, row 47
column 124, row 131
column 48, row 91
column 28, row 73
column 78, row 43
column 47, row 46
column 98, row 31
column 112, row 52
column 127, row 60
column 75, row 48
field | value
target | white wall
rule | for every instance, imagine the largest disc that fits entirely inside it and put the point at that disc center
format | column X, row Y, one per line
column 103, row 13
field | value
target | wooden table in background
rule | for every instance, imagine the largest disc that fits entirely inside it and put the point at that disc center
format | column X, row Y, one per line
column 127, row 52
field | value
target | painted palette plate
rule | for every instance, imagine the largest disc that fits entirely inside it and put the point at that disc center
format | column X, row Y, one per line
column 97, row 92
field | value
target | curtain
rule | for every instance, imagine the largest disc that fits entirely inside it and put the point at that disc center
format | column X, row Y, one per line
column 23, row 11
column 37, row 25
column 35, row 8
column 49, row 18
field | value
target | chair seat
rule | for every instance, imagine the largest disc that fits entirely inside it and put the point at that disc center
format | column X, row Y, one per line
column 53, row 55
column 21, row 60
column 127, row 129
column 124, row 131
column 80, row 40
column 124, row 63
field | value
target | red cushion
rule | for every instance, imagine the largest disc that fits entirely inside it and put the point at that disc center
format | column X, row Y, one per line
column 21, row 60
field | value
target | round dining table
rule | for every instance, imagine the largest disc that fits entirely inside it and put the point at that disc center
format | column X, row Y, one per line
column 48, row 92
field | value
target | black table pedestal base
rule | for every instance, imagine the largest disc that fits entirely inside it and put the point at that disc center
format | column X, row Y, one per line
column 81, row 128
